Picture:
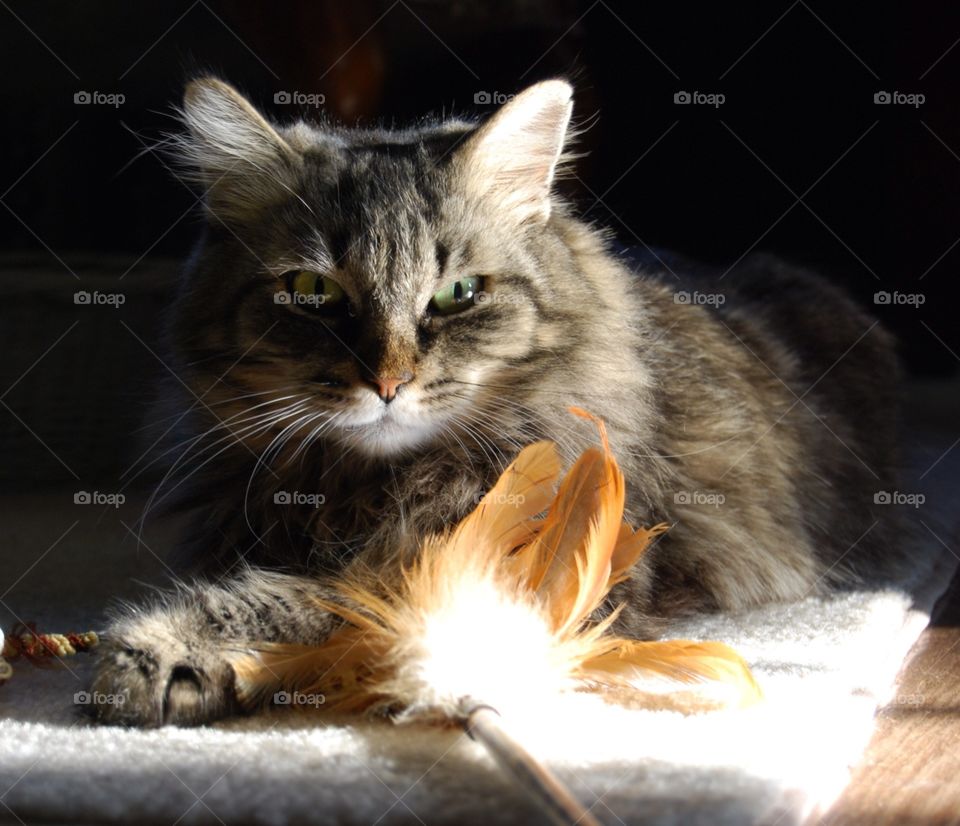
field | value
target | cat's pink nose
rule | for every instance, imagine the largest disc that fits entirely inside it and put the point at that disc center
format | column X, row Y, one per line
column 387, row 385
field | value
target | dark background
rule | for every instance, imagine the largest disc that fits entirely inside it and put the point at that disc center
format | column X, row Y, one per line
column 880, row 184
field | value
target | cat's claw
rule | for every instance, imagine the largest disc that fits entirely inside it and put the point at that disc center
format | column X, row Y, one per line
column 148, row 679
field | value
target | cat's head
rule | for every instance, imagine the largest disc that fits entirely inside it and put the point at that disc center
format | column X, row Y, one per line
column 385, row 289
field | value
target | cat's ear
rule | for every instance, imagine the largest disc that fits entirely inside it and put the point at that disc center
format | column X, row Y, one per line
column 231, row 150
column 513, row 156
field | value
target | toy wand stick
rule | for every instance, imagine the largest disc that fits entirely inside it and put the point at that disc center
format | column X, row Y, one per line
column 484, row 725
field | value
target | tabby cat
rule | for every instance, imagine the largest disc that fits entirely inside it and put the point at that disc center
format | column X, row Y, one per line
column 374, row 323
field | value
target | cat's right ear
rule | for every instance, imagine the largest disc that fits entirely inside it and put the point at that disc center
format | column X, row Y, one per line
column 231, row 150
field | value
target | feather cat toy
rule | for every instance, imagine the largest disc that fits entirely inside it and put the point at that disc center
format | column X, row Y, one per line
column 496, row 615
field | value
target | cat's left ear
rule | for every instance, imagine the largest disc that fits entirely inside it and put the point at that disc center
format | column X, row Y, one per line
column 513, row 156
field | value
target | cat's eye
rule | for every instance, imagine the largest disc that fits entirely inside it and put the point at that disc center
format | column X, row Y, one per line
column 313, row 290
column 457, row 297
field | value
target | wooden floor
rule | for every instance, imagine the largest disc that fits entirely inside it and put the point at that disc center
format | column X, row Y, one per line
column 911, row 771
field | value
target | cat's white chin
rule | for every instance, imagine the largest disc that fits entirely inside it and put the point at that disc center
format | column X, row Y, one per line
column 388, row 432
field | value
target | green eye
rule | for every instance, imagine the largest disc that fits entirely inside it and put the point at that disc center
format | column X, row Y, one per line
column 457, row 297
column 314, row 291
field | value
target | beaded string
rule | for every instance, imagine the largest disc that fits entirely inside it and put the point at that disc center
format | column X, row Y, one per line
column 24, row 642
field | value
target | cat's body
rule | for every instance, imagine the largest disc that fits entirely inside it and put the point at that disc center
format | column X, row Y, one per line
column 752, row 413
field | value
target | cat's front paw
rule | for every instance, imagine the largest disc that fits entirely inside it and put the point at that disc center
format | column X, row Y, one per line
column 148, row 674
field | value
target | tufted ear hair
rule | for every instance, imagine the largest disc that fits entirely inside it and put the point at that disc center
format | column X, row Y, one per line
column 513, row 156
column 243, row 162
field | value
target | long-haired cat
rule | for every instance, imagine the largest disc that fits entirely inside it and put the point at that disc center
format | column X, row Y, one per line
column 376, row 321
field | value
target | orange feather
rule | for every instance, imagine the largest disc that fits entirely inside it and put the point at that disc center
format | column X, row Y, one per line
column 506, row 584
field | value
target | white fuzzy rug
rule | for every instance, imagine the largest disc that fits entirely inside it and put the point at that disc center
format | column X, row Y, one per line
column 824, row 665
